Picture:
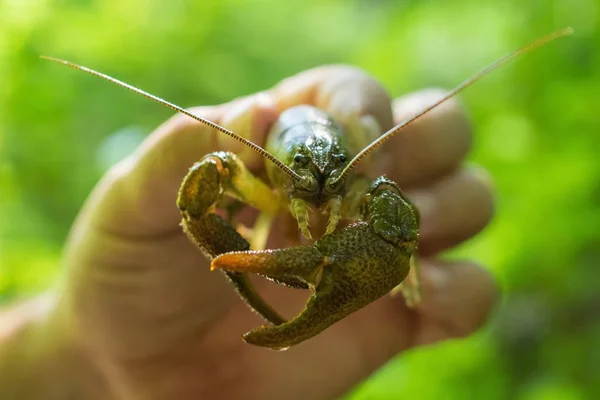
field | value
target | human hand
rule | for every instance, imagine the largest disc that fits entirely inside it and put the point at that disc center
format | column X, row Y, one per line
column 159, row 325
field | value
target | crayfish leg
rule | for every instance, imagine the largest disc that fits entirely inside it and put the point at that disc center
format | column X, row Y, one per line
column 410, row 288
column 334, row 205
column 260, row 231
column 299, row 209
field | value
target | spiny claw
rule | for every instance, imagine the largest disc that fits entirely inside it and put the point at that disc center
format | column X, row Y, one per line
column 346, row 271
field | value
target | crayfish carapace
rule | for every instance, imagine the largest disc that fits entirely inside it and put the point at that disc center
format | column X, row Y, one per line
column 311, row 165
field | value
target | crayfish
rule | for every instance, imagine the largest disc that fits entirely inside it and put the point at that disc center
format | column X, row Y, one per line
column 311, row 165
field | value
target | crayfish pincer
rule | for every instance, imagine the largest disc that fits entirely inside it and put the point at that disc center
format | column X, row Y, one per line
column 311, row 166
column 345, row 271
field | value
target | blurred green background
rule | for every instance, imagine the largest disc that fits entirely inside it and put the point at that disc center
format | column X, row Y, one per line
column 537, row 131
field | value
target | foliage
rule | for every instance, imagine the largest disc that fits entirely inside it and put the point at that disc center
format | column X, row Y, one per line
column 536, row 122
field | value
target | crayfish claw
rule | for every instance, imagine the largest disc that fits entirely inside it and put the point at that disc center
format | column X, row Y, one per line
column 348, row 270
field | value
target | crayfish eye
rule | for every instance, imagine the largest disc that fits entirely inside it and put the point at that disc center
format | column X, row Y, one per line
column 342, row 158
column 300, row 159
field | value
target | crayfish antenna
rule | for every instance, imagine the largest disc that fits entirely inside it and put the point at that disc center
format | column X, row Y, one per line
column 264, row 153
column 387, row 135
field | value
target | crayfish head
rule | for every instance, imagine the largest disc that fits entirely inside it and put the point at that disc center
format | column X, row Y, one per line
column 319, row 186
column 313, row 145
column 319, row 163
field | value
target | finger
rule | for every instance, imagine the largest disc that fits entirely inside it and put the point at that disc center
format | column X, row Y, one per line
column 432, row 145
column 457, row 300
column 453, row 208
column 344, row 92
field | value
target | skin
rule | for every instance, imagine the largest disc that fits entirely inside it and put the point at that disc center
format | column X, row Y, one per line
column 139, row 315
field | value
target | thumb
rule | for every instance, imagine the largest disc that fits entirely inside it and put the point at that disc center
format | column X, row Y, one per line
column 130, row 266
